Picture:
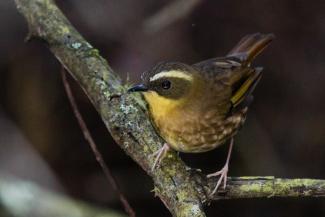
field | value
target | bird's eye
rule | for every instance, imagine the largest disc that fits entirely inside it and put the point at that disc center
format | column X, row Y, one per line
column 165, row 84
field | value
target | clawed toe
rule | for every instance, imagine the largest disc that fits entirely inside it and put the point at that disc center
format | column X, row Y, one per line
column 159, row 155
column 223, row 173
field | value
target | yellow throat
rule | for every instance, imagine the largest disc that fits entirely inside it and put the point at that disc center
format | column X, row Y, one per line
column 161, row 106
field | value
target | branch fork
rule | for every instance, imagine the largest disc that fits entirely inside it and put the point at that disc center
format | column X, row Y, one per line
column 182, row 192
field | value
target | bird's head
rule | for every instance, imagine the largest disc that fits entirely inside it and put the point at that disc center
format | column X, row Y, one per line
column 167, row 84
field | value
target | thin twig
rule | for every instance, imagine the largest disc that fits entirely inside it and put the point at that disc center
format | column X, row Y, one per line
column 183, row 193
column 171, row 13
column 125, row 116
column 93, row 146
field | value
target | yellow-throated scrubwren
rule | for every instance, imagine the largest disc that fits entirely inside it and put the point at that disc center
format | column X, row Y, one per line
column 196, row 108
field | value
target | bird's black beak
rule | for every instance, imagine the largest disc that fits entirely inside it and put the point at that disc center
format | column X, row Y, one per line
column 138, row 87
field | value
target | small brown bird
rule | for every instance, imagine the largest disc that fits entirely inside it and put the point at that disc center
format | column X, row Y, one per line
column 196, row 108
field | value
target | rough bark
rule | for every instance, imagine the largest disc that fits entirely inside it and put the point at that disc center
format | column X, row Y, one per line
column 124, row 116
column 182, row 191
column 269, row 186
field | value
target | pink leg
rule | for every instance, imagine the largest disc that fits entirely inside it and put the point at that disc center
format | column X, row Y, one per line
column 224, row 171
column 160, row 155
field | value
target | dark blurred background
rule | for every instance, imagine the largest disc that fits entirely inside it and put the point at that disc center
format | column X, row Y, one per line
column 283, row 136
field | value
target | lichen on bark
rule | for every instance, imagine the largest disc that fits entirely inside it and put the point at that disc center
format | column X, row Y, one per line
column 181, row 189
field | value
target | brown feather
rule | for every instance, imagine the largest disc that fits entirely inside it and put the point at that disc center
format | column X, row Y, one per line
column 250, row 46
column 202, row 117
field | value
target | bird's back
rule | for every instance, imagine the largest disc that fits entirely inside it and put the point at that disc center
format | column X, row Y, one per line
column 218, row 107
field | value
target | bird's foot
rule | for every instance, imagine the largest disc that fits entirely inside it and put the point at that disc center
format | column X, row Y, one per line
column 159, row 155
column 223, row 173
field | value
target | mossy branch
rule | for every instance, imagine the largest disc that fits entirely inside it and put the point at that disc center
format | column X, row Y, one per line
column 269, row 186
column 125, row 117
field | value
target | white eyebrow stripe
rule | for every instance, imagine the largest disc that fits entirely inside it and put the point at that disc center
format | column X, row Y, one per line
column 171, row 74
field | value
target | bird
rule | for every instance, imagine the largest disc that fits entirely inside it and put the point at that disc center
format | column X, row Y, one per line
column 196, row 108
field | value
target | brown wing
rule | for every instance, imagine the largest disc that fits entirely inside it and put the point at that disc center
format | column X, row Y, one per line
column 241, row 55
column 234, row 70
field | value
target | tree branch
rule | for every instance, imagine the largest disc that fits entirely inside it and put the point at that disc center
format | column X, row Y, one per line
column 124, row 116
column 181, row 190
column 22, row 198
column 109, row 176
column 269, row 186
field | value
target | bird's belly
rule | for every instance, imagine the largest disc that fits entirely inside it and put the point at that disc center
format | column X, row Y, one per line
column 194, row 135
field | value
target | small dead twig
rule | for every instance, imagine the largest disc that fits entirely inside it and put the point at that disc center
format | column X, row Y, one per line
column 182, row 191
column 170, row 14
column 129, row 210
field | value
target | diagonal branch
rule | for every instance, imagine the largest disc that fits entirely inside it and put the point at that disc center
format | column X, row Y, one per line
column 93, row 146
column 180, row 189
column 124, row 116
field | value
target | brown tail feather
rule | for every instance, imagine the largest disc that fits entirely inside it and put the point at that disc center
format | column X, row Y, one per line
column 250, row 46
